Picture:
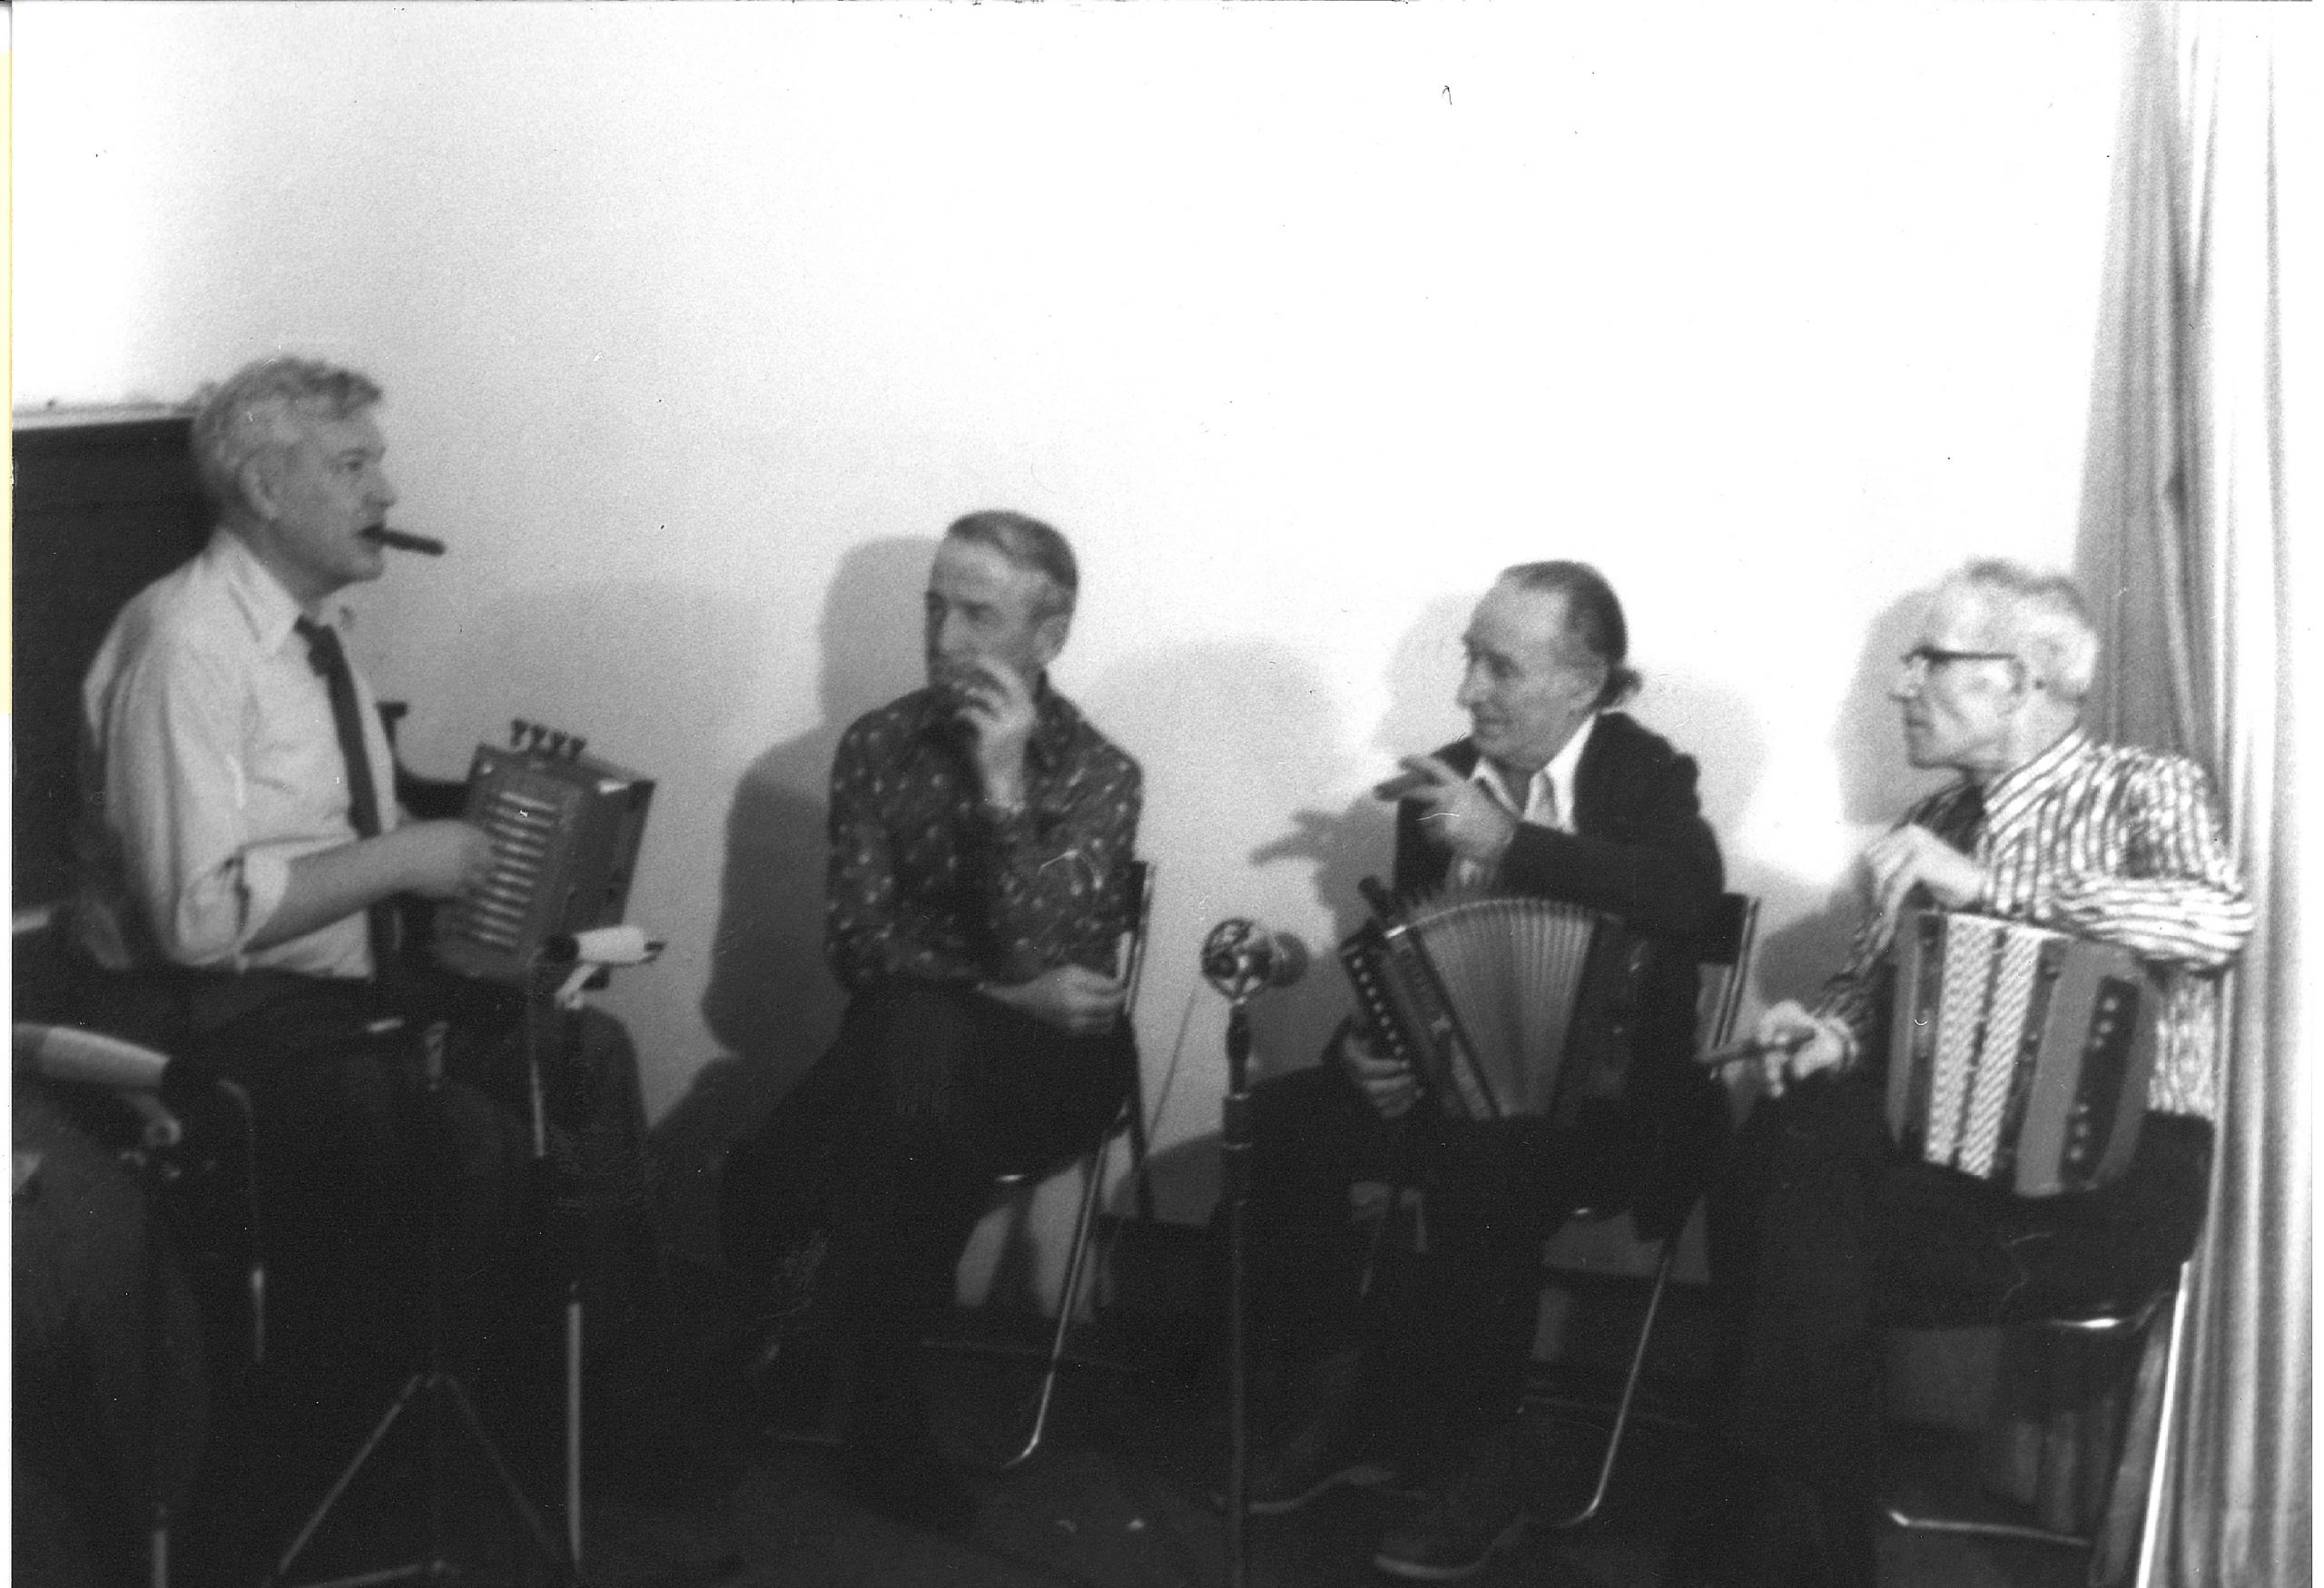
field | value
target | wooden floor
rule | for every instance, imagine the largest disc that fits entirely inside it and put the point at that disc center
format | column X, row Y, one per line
column 682, row 1489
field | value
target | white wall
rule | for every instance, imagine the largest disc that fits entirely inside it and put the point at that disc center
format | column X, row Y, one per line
column 698, row 322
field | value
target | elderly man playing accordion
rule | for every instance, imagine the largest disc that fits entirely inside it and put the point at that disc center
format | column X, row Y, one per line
column 242, row 856
column 1822, row 1231
column 1552, row 795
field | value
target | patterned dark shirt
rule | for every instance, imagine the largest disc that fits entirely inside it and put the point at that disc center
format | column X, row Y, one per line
column 926, row 881
column 2109, row 842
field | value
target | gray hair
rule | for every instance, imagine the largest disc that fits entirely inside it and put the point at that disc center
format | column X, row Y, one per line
column 1029, row 544
column 2049, row 621
column 1593, row 620
column 242, row 416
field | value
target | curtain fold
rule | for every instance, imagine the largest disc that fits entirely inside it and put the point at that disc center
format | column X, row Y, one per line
column 2186, row 547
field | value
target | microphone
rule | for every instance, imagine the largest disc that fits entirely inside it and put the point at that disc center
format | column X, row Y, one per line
column 600, row 945
column 1242, row 954
column 403, row 540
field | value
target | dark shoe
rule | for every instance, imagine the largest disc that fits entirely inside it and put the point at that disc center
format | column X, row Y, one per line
column 1754, row 1530
column 1320, row 1452
column 893, row 1466
column 1481, row 1513
column 925, row 1494
column 784, row 1310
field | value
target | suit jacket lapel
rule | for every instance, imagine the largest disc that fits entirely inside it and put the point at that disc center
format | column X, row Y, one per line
column 1594, row 778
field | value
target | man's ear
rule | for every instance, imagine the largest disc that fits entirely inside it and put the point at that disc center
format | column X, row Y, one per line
column 255, row 479
column 1048, row 636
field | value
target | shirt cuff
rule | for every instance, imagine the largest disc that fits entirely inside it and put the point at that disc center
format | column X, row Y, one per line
column 265, row 879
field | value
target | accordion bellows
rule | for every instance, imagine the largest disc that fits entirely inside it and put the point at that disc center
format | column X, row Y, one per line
column 2018, row 1054
column 1504, row 1005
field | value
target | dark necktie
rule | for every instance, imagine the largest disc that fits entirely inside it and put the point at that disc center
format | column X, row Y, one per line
column 329, row 660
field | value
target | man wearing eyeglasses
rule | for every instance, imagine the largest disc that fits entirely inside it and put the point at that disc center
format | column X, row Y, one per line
column 1821, row 1231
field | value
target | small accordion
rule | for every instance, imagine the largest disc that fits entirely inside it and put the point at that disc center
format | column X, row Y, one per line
column 565, row 829
column 2018, row 1054
column 1502, row 1005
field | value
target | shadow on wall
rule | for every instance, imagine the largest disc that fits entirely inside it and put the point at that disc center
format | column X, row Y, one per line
column 1228, row 734
column 769, row 1000
column 623, row 665
column 1877, row 786
column 1343, row 847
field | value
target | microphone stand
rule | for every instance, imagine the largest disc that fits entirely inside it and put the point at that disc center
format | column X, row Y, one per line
column 1231, row 967
column 1234, row 1162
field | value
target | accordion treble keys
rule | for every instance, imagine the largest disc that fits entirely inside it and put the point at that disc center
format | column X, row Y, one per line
column 565, row 829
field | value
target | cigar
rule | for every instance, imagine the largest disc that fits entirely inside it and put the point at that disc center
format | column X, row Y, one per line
column 400, row 540
column 1402, row 786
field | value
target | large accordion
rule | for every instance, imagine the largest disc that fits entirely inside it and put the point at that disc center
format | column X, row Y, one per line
column 1504, row 1005
column 2018, row 1054
column 565, row 829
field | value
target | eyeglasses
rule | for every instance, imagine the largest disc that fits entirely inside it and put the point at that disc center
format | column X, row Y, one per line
column 1921, row 660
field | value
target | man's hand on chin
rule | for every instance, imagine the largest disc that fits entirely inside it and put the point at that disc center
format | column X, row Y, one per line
column 997, row 703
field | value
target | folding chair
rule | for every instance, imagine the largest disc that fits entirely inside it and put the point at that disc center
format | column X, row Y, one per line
column 1128, row 1120
column 1724, row 950
column 2120, row 1524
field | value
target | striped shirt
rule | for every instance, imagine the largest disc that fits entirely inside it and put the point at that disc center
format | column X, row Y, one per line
column 2109, row 841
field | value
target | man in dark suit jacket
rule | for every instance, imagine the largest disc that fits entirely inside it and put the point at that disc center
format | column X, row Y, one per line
column 1552, row 795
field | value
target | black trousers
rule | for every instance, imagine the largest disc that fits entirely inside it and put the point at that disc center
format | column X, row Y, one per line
column 892, row 1142
column 1448, row 1334
column 358, row 1161
column 1822, row 1234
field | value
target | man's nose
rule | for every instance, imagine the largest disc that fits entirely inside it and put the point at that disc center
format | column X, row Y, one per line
column 1908, row 684
column 949, row 635
column 382, row 492
column 1473, row 689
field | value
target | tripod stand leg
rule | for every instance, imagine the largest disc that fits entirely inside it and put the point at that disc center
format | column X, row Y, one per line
column 511, row 1490
column 347, row 1476
column 572, row 1421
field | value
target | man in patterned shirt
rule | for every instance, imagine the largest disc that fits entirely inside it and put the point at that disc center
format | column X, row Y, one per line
column 1821, row 1232
column 980, row 828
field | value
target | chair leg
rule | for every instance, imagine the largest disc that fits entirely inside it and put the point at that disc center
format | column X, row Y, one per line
column 1068, row 1296
column 1596, row 1500
column 2123, row 1531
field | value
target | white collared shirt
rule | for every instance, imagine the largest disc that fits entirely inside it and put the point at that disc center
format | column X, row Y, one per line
column 1549, row 794
column 210, row 763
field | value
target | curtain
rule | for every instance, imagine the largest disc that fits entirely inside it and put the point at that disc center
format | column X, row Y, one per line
column 2187, row 549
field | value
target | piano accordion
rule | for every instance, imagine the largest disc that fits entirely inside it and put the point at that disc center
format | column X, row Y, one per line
column 1502, row 1005
column 565, row 829
column 2018, row 1054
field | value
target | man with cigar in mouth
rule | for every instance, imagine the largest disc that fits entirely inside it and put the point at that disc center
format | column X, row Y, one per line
column 242, row 851
column 978, row 830
column 1553, row 793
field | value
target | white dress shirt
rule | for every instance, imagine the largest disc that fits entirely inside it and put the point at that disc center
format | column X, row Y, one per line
column 210, row 763
column 1549, row 795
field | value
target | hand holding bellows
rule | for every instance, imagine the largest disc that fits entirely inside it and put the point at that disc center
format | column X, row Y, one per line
column 1387, row 1081
column 1792, row 1044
